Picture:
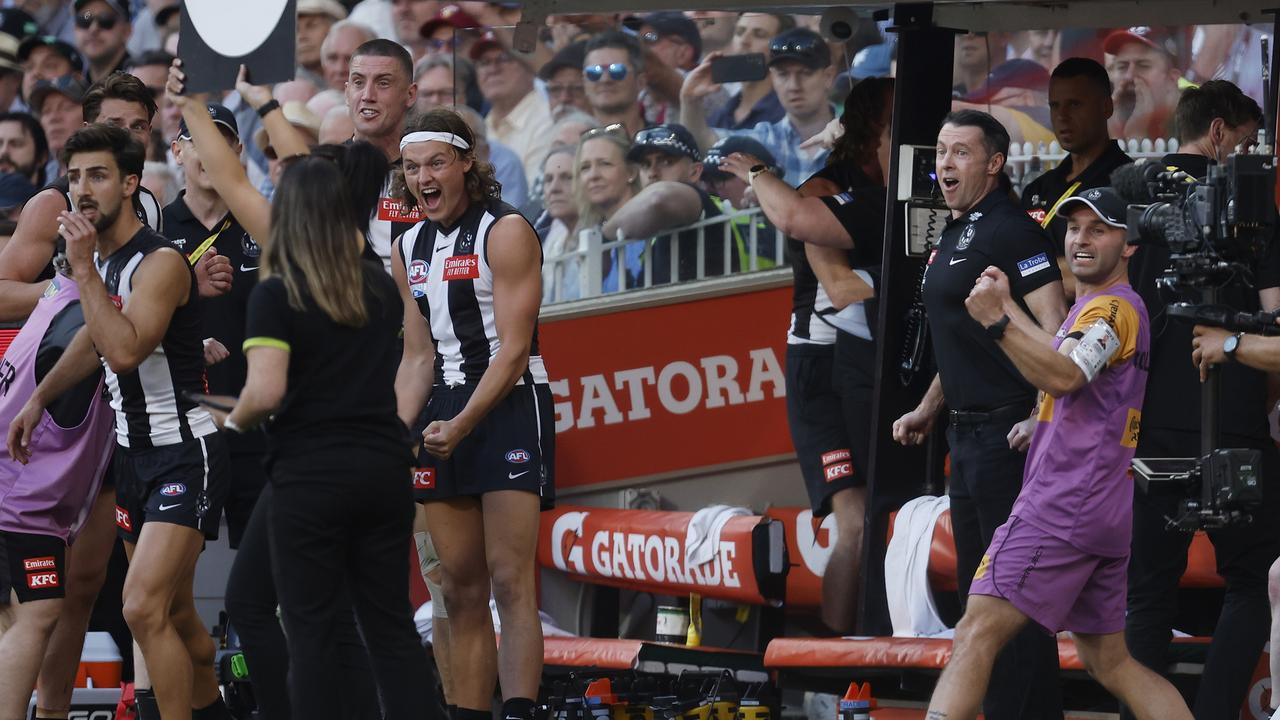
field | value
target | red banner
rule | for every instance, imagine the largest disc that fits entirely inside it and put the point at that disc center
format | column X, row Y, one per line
column 661, row 389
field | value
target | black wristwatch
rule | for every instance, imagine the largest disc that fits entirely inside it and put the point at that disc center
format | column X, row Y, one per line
column 267, row 107
column 754, row 171
column 1230, row 345
column 995, row 331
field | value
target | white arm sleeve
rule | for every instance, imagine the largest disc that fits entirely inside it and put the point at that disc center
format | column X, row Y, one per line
column 1099, row 344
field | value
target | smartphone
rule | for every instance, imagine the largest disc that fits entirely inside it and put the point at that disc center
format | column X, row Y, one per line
column 739, row 68
column 216, row 402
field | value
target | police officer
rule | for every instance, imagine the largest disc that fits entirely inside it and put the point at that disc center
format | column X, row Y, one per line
column 990, row 402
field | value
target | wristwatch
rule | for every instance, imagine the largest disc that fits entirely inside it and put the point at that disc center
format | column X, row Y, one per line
column 1230, row 345
column 754, row 171
column 995, row 330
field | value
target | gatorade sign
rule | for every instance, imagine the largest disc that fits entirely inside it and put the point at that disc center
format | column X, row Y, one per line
column 693, row 384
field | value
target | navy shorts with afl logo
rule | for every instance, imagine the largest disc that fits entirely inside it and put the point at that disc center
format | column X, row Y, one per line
column 513, row 447
column 34, row 566
column 184, row 484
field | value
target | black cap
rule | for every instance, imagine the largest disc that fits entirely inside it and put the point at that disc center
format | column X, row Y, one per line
column 221, row 116
column 62, row 47
column 166, row 12
column 735, row 144
column 18, row 23
column 669, row 138
column 15, row 189
column 677, row 24
column 120, row 7
column 1104, row 201
column 69, row 85
column 572, row 55
column 801, row 45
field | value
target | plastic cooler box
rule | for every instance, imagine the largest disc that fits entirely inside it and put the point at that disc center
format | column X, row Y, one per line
column 100, row 662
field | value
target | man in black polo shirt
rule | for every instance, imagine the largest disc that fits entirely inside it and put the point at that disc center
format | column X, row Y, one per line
column 1212, row 120
column 197, row 221
column 1079, row 107
column 990, row 402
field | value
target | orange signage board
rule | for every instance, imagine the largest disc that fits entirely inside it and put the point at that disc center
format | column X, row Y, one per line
column 662, row 389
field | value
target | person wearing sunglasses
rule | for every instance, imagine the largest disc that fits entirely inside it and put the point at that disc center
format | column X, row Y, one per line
column 103, row 28
column 614, row 73
column 803, row 75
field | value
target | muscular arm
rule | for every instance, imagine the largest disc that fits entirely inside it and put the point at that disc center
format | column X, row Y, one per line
column 659, row 207
column 126, row 337
column 27, row 253
column 1031, row 350
column 801, row 214
column 842, row 284
column 414, row 377
column 517, row 297
column 225, row 171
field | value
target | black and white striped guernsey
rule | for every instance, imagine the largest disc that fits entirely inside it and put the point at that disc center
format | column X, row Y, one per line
column 449, row 276
column 147, row 400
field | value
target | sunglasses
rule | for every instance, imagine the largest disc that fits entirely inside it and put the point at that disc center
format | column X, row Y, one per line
column 613, row 129
column 106, row 21
column 437, row 45
column 595, row 73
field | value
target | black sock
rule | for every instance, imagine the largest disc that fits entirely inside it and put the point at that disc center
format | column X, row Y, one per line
column 145, row 700
column 216, row 710
column 517, row 708
column 469, row 714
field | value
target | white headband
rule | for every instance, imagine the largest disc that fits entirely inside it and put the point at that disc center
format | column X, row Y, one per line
column 444, row 137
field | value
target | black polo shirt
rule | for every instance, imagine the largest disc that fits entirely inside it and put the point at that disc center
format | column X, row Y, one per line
column 976, row 374
column 1173, row 383
column 223, row 315
column 1041, row 197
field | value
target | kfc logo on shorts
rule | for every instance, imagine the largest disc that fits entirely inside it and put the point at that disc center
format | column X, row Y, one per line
column 519, row 456
column 1038, row 215
column 462, row 267
column 418, row 271
column 40, row 563
column 173, row 490
column 424, row 479
column 40, row 581
column 836, row 464
column 122, row 519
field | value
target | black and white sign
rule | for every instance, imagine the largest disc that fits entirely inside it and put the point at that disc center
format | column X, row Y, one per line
column 218, row 36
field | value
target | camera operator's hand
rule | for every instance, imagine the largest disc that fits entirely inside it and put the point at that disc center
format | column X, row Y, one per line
column 1206, row 348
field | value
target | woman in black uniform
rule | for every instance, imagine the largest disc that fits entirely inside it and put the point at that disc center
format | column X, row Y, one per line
column 471, row 280
column 322, row 351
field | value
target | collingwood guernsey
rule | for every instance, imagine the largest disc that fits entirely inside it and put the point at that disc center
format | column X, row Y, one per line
column 150, row 410
column 450, row 278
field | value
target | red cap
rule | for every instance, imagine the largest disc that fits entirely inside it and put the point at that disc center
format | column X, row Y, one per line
column 487, row 42
column 452, row 16
column 1158, row 37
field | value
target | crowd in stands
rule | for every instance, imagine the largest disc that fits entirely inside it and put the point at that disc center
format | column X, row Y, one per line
column 645, row 79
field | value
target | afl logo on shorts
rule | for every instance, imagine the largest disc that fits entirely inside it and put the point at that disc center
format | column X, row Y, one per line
column 173, row 490
column 519, row 457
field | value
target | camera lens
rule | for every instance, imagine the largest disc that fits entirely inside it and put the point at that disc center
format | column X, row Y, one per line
column 841, row 30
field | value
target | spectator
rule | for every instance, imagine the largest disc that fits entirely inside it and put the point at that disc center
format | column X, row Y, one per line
column 561, row 279
column 518, row 114
column 54, row 17
column 315, row 18
column 571, row 126
column 451, row 32
column 507, row 169
column 1144, row 70
column 57, row 104
column 614, row 69
column 103, row 28
column 24, row 150
column 152, row 68
column 150, row 26
column 603, row 182
column 975, row 55
column 715, row 26
column 337, row 126
column 438, row 77
column 10, row 74
column 1017, row 94
column 159, row 179
column 409, row 17
column 342, row 39
column 45, row 57
column 299, row 117
column 673, row 38
column 1040, row 46
column 377, row 15
column 326, row 100
column 802, row 73
column 724, row 184
column 562, row 74
column 755, row 102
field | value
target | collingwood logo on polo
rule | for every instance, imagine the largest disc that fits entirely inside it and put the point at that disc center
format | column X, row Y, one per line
column 966, row 237
column 975, row 216
column 249, row 247
column 1033, row 264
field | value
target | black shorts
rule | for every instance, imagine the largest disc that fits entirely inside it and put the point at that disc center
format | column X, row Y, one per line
column 35, row 566
column 183, row 484
column 816, row 419
column 512, row 448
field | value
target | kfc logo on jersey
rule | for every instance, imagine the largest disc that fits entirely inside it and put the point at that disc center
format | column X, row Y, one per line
column 41, row 563
column 519, row 456
column 173, row 490
column 424, row 479
column 462, row 267
column 122, row 519
column 1038, row 215
column 40, row 581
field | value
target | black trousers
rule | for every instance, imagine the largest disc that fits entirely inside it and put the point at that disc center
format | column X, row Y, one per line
column 346, row 521
column 251, row 604
column 1244, row 554
column 986, row 477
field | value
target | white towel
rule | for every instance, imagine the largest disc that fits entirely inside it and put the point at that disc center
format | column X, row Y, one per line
column 906, row 569
column 702, row 540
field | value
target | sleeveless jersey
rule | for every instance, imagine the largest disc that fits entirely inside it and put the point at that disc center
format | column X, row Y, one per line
column 52, row 494
column 150, row 410
column 449, row 275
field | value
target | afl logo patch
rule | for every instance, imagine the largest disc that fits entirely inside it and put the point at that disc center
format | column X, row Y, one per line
column 173, row 490
column 418, row 271
column 519, row 457
column 966, row 237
